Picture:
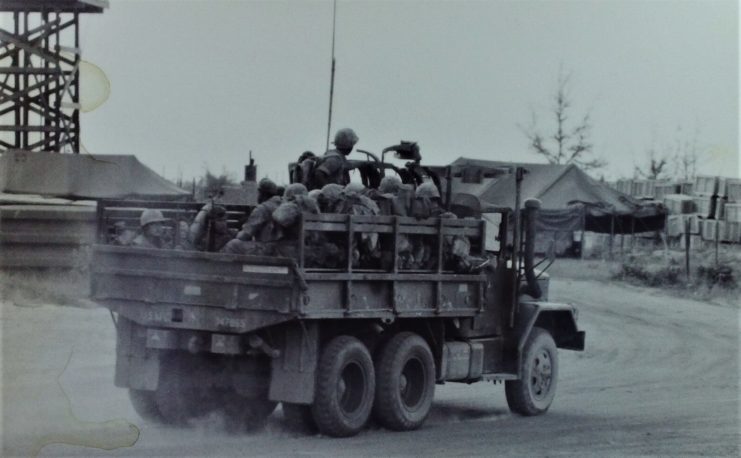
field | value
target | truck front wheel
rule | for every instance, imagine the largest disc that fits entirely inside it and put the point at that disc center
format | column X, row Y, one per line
column 345, row 387
column 405, row 382
column 533, row 393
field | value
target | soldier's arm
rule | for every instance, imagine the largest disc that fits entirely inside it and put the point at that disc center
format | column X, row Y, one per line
column 257, row 218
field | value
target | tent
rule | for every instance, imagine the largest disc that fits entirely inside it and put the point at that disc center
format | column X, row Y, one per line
column 83, row 176
column 571, row 199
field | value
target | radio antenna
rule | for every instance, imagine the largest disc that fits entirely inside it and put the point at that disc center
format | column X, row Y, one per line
column 331, row 81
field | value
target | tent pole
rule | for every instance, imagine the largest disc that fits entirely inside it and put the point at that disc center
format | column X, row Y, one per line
column 583, row 230
column 612, row 232
column 632, row 233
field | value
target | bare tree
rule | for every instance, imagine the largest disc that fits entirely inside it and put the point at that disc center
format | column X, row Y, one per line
column 656, row 168
column 685, row 154
column 213, row 185
column 570, row 143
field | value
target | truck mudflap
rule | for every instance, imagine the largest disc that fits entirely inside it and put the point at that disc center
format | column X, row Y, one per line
column 558, row 319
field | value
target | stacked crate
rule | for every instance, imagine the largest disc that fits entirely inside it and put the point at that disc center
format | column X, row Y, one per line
column 664, row 189
column 705, row 191
column 730, row 208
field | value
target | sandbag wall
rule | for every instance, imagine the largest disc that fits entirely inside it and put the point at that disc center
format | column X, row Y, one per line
column 44, row 237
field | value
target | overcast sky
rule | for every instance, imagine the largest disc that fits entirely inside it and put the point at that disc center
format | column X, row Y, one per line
column 196, row 83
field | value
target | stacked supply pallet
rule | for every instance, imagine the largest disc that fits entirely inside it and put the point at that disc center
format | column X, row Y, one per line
column 678, row 204
column 664, row 189
column 705, row 191
column 729, row 191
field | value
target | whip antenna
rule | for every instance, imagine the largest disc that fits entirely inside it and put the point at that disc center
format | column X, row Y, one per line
column 331, row 81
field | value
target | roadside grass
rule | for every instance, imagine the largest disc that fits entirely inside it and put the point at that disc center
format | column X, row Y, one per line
column 666, row 270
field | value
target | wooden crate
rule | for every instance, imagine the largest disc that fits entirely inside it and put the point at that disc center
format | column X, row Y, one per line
column 704, row 206
column 705, row 185
column 708, row 229
column 664, row 189
column 731, row 232
column 679, row 204
column 732, row 212
column 733, row 190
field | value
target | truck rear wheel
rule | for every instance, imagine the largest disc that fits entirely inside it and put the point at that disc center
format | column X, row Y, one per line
column 534, row 392
column 246, row 414
column 299, row 418
column 177, row 398
column 405, row 384
column 345, row 387
column 145, row 405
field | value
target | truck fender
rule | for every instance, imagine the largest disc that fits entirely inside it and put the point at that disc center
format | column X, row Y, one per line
column 557, row 318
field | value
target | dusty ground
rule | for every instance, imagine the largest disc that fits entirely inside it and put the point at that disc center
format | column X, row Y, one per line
column 660, row 376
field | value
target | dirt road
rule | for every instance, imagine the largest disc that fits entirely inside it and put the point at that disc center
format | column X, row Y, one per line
column 660, row 376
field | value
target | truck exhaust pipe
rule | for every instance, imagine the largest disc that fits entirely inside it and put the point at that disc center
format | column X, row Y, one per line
column 531, row 213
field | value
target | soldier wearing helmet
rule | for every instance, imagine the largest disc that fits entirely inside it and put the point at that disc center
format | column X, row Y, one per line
column 330, row 198
column 427, row 201
column 333, row 167
column 388, row 197
column 266, row 189
column 151, row 223
column 209, row 230
column 303, row 171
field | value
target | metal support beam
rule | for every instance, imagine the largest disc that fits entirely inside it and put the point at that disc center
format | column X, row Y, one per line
column 40, row 85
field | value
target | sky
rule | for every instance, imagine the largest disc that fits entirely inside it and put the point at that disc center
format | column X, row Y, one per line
column 197, row 84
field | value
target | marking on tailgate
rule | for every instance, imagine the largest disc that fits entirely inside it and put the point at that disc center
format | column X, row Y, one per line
column 192, row 290
column 253, row 269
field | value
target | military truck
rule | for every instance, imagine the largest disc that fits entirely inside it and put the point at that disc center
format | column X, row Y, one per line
column 202, row 331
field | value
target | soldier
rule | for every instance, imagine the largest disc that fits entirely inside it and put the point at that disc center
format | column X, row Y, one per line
column 330, row 198
column 333, row 167
column 365, row 246
column 209, row 230
column 457, row 251
column 152, row 230
column 387, row 197
column 266, row 189
column 427, row 201
column 426, row 204
column 123, row 235
column 296, row 201
column 258, row 230
column 303, row 171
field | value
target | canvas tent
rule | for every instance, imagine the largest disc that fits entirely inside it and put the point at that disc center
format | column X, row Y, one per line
column 83, row 176
column 571, row 199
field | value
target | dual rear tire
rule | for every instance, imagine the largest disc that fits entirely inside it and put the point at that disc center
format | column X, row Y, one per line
column 398, row 389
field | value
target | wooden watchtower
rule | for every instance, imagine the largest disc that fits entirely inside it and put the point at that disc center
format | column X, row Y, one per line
column 39, row 73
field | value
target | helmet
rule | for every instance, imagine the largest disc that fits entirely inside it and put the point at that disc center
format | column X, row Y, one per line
column 390, row 185
column 306, row 155
column 267, row 186
column 294, row 189
column 314, row 193
column 150, row 216
column 345, row 139
column 353, row 188
column 287, row 214
column 332, row 192
column 428, row 190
